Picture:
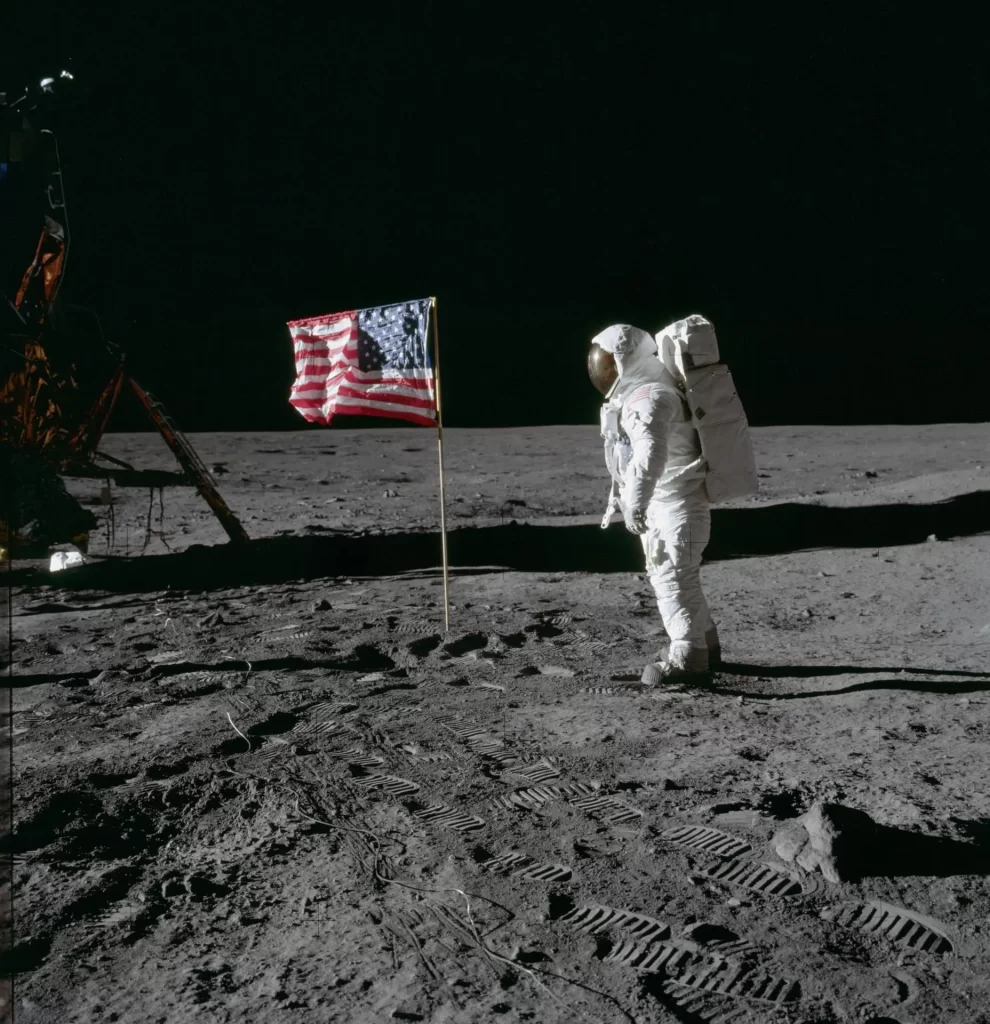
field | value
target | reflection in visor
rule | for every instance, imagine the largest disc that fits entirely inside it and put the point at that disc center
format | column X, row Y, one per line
column 602, row 369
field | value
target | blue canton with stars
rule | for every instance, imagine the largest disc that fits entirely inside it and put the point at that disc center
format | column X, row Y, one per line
column 393, row 338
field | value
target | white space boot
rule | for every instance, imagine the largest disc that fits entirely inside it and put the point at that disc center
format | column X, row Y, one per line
column 693, row 667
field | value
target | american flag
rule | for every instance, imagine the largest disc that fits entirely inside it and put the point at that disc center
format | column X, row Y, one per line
column 365, row 362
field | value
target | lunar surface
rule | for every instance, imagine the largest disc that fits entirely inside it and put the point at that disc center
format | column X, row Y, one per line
column 263, row 783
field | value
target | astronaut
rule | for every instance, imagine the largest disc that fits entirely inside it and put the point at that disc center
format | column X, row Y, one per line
column 653, row 453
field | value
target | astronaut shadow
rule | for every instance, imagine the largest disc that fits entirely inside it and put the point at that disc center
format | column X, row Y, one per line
column 948, row 689
column 794, row 526
column 810, row 671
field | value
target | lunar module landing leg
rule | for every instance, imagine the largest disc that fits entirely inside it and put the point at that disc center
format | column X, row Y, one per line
column 190, row 463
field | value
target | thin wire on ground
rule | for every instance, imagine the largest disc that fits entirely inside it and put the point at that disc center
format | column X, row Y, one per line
column 375, row 849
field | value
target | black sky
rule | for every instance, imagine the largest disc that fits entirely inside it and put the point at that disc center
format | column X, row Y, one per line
column 814, row 183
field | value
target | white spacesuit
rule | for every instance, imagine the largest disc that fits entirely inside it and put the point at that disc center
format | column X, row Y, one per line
column 653, row 453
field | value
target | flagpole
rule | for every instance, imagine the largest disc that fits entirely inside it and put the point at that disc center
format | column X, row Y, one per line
column 443, row 502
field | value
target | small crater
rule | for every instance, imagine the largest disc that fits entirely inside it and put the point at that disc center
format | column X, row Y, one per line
column 173, row 887
column 57, row 816
column 366, row 658
column 531, row 956
column 201, row 887
column 274, row 725
column 124, row 832
column 513, row 640
column 784, row 804
column 470, row 642
column 236, row 745
column 101, row 780
column 424, row 646
column 168, row 771
column 28, row 955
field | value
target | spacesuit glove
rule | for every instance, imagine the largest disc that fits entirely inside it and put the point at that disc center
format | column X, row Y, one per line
column 613, row 507
column 635, row 520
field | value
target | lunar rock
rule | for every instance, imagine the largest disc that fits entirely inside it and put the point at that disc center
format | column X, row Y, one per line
column 790, row 841
column 830, row 838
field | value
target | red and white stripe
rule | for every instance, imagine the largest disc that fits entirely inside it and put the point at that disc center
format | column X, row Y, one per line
column 328, row 381
column 642, row 392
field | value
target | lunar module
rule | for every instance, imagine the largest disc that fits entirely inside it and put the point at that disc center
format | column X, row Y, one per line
column 59, row 376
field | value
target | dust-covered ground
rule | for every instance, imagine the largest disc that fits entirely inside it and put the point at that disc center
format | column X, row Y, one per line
column 266, row 785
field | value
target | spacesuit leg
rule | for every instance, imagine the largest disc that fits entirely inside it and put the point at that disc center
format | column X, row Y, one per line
column 680, row 528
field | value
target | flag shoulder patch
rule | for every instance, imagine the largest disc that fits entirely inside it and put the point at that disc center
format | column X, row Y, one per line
column 650, row 401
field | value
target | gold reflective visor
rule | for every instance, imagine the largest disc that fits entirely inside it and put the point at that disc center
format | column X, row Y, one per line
column 601, row 368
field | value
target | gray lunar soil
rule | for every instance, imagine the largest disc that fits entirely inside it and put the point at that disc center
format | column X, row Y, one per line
column 266, row 785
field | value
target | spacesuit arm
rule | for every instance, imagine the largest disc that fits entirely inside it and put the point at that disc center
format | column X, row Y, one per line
column 646, row 418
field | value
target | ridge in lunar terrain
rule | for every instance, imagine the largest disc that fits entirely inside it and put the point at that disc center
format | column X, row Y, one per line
column 264, row 784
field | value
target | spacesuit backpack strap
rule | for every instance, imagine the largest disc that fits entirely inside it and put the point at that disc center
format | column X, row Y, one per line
column 610, row 421
column 647, row 415
column 611, row 434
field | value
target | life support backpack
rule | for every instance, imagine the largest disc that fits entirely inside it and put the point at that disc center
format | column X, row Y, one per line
column 689, row 351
